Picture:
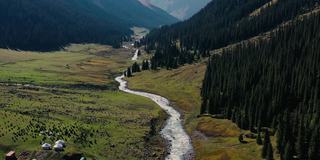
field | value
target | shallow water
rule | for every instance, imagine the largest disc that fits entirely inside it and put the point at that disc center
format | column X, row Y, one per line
column 180, row 146
column 135, row 56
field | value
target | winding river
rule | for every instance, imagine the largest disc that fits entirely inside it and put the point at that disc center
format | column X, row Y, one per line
column 135, row 56
column 179, row 143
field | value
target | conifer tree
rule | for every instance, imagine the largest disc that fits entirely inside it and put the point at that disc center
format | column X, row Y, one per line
column 314, row 148
column 279, row 137
column 266, row 144
column 129, row 73
column 301, row 141
column 259, row 140
column 269, row 152
column 288, row 155
column 125, row 73
column 136, row 67
column 147, row 67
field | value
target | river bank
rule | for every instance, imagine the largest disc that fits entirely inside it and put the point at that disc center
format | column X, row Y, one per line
column 179, row 143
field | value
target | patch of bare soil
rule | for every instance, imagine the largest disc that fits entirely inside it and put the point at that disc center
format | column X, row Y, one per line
column 217, row 128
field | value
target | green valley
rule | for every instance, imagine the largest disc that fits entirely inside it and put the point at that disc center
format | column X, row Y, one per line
column 213, row 139
column 71, row 95
column 120, row 80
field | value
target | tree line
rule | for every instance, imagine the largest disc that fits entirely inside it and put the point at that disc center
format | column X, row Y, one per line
column 135, row 68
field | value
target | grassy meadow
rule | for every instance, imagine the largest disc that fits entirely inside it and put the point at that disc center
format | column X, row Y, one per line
column 71, row 95
column 75, row 64
column 213, row 139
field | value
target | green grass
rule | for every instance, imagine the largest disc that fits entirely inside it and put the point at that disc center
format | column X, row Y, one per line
column 98, row 121
column 76, row 64
column 181, row 85
column 119, row 118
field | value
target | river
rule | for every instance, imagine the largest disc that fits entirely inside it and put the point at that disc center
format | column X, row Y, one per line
column 179, row 142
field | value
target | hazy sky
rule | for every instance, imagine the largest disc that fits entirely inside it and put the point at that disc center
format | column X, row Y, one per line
column 181, row 9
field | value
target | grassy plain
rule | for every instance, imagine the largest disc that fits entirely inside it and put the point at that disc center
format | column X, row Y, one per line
column 213, row 139
column 76, row 64
column 73, row 96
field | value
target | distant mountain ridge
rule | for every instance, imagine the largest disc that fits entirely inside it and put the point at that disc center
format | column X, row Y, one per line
column 48, row 25
column 146, row 3
column 136, row 12
column 182, row 9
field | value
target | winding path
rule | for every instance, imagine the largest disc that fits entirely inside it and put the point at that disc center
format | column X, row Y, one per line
column 180, row 147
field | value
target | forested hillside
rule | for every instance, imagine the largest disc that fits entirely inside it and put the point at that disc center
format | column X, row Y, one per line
column 273, row 83
column 220, row 23
column 269, row 84
column 47, row 25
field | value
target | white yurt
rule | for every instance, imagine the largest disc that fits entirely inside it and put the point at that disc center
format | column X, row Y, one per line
column 61, row 142
column 58, row 147
column 46, row 146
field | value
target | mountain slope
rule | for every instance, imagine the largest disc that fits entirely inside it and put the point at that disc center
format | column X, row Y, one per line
column 47, row 25
column 274, row 84
column 182, row 9
column 220, row 23
column 263, row 72
column 136, row 13
column 266, row 77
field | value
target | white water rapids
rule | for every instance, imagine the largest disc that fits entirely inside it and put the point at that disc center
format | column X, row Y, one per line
column 135, row 56
column 180, row 147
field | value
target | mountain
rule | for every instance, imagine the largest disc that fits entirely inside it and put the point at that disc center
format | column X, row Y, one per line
column 272, row 85
column 263, row 71
column 220, row 23
column 182, row 9
column 47, row 25
column 136, row 13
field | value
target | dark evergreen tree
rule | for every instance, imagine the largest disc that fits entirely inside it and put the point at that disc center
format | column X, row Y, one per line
column 240, row 138
column 270, row 152
column 145, row 65
column 288, row 154
column 129, row 72
column 125, row 73
column 259, row 140
column 314, row 149
column 154, row 64
column 266, row 144
column 135, row 67
column 302, row 148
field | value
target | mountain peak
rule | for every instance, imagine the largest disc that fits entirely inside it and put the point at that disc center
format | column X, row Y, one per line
column 182, row 9
column 146, row 3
